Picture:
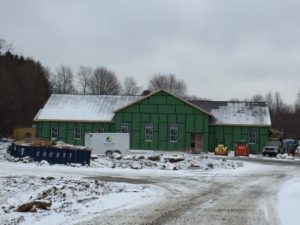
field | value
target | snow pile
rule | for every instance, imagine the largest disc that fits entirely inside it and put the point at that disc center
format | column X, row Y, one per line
column 164, row 161
column 285, row 156
column 3, row 148
column 289, row 198
column 57, row 197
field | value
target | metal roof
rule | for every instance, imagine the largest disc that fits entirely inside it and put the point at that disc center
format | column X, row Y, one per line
column 237, row 113
column 90, row 108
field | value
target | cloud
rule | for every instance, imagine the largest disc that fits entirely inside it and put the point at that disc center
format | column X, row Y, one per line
column 222, row 49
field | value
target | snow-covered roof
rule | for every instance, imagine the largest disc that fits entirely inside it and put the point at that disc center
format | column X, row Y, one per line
column 90, row 108
column 237, row 113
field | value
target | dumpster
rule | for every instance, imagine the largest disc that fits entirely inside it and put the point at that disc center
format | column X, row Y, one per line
column 51, row 154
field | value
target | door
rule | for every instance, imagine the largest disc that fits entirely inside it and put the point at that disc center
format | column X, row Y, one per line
column 197, row 142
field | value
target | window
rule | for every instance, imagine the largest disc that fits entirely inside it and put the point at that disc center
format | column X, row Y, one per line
column 124, row 128
column 77, row 133
column 54, row 132
column 173, row 132
column 100, row 129
column 251, row 137
column 148, row 132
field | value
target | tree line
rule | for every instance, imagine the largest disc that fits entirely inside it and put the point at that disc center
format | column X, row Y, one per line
column 102, row 81
column 25, row 86
column 24, row 89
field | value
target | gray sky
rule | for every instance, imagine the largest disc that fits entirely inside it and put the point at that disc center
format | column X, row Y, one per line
column 222, row 49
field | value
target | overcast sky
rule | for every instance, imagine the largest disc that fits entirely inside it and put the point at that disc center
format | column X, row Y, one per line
column 221, row 49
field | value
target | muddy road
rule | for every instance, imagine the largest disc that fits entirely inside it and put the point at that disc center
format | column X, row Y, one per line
column 246, row 197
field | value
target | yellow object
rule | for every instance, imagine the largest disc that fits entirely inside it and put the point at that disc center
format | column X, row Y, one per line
column 221, row 150
column 22, row 133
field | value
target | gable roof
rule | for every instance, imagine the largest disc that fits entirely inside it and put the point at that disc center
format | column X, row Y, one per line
column 237, row 113
column 162, row 90
column 90, row 108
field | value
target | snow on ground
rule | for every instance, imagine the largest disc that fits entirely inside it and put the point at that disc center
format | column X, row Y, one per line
column 74, row 193
column 289, row 198
column 68, row 198
column 58, row 193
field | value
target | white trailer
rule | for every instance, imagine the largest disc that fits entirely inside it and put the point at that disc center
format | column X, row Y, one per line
column 107, row 143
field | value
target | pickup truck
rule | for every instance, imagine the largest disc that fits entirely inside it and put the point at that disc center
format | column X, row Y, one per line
column 272, row 148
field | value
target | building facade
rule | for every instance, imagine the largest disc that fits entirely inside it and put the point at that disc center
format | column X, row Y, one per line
column 159, row 121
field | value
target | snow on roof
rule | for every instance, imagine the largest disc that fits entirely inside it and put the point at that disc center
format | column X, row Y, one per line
column 65, row 107
column 237, row 113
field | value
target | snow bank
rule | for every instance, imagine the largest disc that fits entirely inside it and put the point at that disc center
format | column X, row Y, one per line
column 68, row 197
column 289, row 198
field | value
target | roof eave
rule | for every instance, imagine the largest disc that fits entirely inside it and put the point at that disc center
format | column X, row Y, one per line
column 244, row 125
column 78, row 121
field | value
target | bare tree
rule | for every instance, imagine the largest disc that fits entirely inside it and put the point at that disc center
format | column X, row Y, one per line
column 257, row 98
column 84, row 76
column 104, row 82
column 5, row 47
column 297, row 103
column 131, row 87
column 62, row 81
column 167, row 82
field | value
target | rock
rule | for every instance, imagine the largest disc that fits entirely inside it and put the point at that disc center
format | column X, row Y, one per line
column 116, row 156
column 93, row 157
column 210, row 165
column 50, row 178
column 136, row 166
column 32, row 206
column 44, row 163
column 27, row 159
column 139, row 157
column 194, row 165
column 162, row 167
column 175, row 159
column 175, row 168
column 128, row 157
column 154, row 157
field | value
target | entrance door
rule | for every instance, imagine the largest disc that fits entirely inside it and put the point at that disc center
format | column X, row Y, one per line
column 197, row 142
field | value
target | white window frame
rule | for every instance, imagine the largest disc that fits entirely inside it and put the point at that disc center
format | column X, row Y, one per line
column 52, row 131
column 251, row 137
column 124, row 128
column 148, row 128
column 75, row 133
column 171, row 136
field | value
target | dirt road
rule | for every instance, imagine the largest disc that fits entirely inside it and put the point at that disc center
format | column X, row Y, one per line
column 240, row 198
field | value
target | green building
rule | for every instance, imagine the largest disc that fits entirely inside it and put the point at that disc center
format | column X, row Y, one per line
column 159, row 121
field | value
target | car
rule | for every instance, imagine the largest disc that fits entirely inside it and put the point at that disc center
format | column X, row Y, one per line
column 272, row 148
column 241, row 148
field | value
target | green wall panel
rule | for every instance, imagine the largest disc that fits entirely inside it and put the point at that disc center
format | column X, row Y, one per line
column 161, row 109
column 184, row 109
column 174, row 101
column 148, row 108
column 166, row 109
column 159, row 100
